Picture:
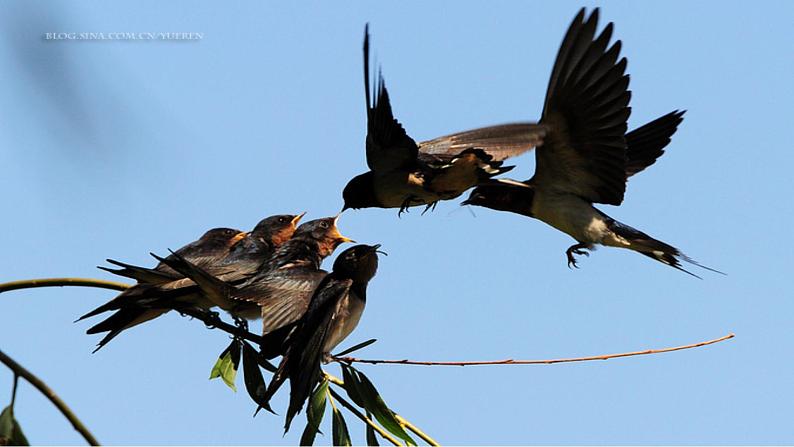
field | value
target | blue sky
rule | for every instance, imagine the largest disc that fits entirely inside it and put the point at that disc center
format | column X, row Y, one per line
column 114, row 149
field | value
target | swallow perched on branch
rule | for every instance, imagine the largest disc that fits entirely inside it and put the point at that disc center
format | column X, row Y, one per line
column 231, row 254
column 404, row 174
column 333, row 312
column 585, row 156
column 283, row 286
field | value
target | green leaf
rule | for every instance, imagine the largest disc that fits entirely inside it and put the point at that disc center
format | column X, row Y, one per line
column 254, row 382
column 371, row 438
column 341, row 435
column 226, row 366
column 361, row 345
column 314, row 413
column 6, row 425
column 374, row 403
column 10, row 431
column 351, row 386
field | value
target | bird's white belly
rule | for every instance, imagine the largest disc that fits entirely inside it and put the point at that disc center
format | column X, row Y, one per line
column 347, row 316
column 571, row 215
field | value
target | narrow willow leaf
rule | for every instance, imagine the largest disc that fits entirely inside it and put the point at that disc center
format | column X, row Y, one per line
column 314, row 413
column 371, row 438
column 341, row 435
column 361, row 345
column 375, row 404
column 254, row 382
column 352, row 386
column 226, row 366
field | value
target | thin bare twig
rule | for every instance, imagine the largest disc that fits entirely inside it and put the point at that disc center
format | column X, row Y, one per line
column 61, row 282
column 49, row 394
column 350, row 360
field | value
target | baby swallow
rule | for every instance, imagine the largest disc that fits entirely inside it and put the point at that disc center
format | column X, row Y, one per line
column 586, row 156
column 242, row 256
column 333, row 313
column 403, row 173
column 283, row 286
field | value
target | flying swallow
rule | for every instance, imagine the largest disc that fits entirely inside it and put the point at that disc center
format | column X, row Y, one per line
column 404, row 174
column 283, row 286
column 149, row 299
column 586, row 156
column 333, row 313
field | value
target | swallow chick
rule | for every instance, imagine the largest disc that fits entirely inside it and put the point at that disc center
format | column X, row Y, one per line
column 235, row 259
column 333, row 313
column 403, row 173
column 586, row 156
column 283, row 286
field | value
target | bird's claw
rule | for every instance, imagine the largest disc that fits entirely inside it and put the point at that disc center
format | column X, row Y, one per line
column 430, row 206
column 578, row 249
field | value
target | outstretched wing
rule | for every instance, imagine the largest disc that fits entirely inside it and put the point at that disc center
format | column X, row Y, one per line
column 500, row 142
column 388, row 146
column 586, row 113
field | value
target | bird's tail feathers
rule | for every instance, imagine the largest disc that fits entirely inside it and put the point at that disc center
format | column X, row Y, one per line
column 122, row 320
column 656, row 249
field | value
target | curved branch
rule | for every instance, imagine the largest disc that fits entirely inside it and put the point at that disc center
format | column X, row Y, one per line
column 49, row 394
column 210, row 319
column 61, row 282
column 350, row 360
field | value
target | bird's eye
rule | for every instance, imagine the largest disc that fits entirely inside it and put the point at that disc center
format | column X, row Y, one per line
column 282, row 219
column 323, row 225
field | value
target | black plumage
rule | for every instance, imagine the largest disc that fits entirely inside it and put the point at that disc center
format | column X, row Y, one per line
column 403, row 173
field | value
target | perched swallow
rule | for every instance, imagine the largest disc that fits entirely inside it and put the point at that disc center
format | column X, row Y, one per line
column 212, row 246
column 149, row 299
column 283, row 286
column 586, row 156
column 404, row 174
column 333, row 313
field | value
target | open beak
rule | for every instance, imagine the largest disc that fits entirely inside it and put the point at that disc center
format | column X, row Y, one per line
column 297, row 218
column 337, row 235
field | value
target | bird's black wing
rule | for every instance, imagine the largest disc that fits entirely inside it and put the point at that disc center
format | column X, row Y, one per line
column 301, row 362
column 283, row 294
column 586, row 112
column 645, row 144
column 388, row 146
column 500, row 142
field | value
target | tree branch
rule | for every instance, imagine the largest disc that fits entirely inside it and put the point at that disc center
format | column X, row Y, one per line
column 60, row 282
column 350, row 360
column 49, row 394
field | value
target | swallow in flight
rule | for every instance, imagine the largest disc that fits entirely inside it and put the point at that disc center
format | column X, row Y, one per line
column 404, row 174
column 586, row 156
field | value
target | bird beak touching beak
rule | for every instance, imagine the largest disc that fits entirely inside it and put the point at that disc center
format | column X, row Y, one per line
column 337, row 235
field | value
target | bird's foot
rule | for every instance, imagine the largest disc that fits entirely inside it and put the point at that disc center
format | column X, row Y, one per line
column 241, row 323
column 430, row 207
column 578, row 249
column 406, row 204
